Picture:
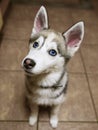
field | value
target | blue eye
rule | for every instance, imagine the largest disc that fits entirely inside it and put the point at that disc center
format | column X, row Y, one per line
column 52, row 52
column 35, row 44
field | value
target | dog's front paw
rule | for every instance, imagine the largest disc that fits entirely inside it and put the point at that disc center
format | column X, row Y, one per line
column 54, row 122
column 32, row 120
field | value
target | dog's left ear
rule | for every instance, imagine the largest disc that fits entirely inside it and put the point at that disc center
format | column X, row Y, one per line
column 41, row 21
column 73, row 38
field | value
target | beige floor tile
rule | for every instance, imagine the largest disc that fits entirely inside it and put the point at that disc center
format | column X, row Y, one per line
column 60, row 18
column 90, row 35
column 93, row 80
column 88, row 16
column 90, row 57
column 69, row 126
column 24, row 12
column 78, row 105
column 12, row 96
column 91, row 24
column 17, row 29
column 16, row 126
column 12, row 53
column 19, row 25
column 75, row 64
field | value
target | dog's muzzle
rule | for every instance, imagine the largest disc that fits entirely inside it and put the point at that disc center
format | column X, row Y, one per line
column 29, row 63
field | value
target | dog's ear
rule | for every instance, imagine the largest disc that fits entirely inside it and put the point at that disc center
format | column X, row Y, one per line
column 41, row 21
column 73, row 38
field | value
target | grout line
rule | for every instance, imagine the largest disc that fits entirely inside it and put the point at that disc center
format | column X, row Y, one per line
column 6, row 70
column 26, row 121
column 13, row 39
column 19, row 20
column 14, row 121
column 27, row 39
column 91, row 95
column 37, row 125
column 60, row 4
column 73, row 122
column 38, row 120
column 69, row 72
column 9, row 70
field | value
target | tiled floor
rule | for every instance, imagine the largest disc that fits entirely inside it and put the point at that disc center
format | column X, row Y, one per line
column 80, row 111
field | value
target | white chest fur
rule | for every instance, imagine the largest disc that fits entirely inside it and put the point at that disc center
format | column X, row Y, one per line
column 49, row 96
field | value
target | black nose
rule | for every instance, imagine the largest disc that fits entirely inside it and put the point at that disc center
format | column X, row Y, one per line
column 29, row 63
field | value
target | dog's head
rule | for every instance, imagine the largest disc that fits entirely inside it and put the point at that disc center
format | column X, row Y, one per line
column 50, row 50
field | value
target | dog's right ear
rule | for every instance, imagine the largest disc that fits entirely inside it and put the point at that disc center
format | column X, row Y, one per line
column 41, row 21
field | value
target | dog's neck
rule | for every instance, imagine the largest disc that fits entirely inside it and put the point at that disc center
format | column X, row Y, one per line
column 51, row 79
column 44, row 80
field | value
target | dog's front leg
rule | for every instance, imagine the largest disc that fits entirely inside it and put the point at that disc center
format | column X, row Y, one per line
column 54, row 115
column 34, row 114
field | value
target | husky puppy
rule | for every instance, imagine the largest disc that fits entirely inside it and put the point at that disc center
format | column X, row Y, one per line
column 45, row 65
